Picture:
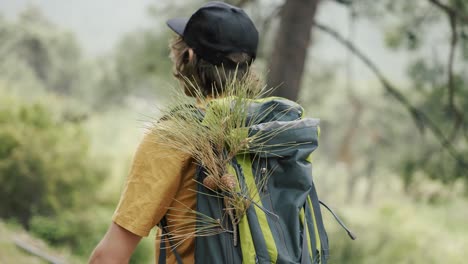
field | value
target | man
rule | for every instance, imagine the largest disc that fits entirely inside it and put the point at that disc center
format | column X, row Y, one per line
column 217, row 36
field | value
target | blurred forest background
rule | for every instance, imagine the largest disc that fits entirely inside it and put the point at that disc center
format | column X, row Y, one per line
column 388, row 79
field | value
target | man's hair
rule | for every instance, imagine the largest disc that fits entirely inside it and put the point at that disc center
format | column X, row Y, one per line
column 210, row 79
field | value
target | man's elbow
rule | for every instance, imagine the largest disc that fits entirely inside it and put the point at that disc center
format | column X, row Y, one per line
column 116, row 247
column 97, row 256
column 102, row 255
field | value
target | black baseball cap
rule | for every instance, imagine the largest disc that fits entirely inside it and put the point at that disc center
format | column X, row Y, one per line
column 216, row 30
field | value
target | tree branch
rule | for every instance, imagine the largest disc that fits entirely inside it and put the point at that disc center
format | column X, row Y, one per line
column 452, row 15
column 420, row 118
column 442, row 6
column 36, row 251
column 453, row 44
column 450, row 10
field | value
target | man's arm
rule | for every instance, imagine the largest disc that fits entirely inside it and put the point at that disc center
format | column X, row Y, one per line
column 116, row 247
column 150, row 188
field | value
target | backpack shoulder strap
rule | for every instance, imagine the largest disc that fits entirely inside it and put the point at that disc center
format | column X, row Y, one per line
column 165, row 239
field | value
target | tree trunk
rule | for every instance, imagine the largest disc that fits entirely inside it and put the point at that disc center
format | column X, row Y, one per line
column 289, row 52
column 345, row 153
column 376, row 141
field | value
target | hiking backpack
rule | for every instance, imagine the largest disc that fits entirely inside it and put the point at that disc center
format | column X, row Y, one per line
column 283, row 223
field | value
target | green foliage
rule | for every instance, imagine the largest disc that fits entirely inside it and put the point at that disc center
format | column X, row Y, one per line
column 140, row 65
column 72, row 229
column 81, row 230
column 11, row 253
column 464, row 43
column 405, row 232
column 144, row 253
column 40, row 53
column 143, row 54
column 45, row 166
column 422, row 29
column 396, row 38
column 429, row 80
column 38, row 56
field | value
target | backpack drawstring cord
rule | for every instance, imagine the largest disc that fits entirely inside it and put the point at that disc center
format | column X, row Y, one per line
column 350, row 234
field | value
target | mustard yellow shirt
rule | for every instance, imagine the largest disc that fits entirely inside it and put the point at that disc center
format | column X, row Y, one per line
column 160, row 183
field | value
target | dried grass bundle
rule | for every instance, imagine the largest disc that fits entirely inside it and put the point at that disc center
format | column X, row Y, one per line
column 213, row 136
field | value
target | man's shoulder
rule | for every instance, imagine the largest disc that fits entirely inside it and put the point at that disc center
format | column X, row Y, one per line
column 155, row 146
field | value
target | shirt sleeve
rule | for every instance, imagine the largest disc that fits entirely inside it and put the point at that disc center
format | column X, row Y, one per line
column 152, row 183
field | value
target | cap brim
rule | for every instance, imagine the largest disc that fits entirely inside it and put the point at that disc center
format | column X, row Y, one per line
column 178, row 25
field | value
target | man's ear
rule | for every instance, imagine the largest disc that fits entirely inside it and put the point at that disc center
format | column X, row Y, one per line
column 190, row 54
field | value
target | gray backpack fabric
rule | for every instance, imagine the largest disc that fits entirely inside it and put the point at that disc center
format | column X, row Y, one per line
column 283, row 224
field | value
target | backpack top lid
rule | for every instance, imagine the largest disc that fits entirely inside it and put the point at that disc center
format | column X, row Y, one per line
column 274, row 124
